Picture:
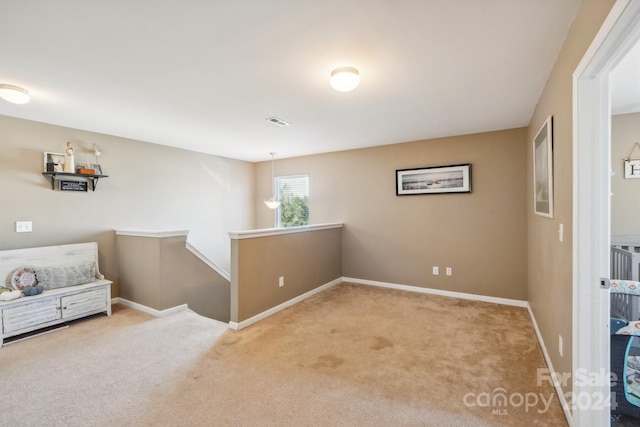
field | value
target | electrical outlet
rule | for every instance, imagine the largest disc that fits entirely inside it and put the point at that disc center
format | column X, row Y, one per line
column 448, row 271
column 281, row 281
column 23, row 227
column 436, row 271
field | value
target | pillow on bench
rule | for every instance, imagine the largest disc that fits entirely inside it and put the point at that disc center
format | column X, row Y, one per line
column 60, row 277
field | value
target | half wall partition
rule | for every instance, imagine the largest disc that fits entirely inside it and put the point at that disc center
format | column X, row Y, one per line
column 274, row 268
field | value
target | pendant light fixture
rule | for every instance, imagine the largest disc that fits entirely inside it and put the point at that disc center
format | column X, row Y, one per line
column 14, row 94
column 272, row 203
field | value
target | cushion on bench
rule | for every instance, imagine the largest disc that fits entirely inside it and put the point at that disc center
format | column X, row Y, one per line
column 60, row 277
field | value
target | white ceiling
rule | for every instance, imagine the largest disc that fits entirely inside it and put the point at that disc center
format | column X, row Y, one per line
column 205, row 74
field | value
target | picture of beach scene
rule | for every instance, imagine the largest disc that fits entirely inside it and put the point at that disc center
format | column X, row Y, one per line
column 425, row 181
column 443, row 179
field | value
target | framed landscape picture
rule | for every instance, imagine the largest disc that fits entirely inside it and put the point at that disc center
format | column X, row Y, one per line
column 543, row 170
column 434, row 180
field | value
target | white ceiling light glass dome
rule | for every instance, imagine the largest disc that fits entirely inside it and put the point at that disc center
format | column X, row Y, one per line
column 14, row 94
column 344, row 79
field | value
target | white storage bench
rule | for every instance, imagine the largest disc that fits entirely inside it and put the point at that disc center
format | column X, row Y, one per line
column 57, row 304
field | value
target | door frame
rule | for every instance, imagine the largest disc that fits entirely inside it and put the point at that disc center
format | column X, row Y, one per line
column 592, row 209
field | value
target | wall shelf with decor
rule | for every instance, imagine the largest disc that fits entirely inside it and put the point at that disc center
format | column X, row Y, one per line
column 73, row 181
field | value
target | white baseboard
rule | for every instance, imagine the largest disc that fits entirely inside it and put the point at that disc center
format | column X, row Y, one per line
column 149, row 310
column 241, row 325
column 267, row 313
column 552, row 372
column 461, row 295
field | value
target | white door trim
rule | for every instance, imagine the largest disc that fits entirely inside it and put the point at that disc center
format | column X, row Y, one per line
column 591, row 209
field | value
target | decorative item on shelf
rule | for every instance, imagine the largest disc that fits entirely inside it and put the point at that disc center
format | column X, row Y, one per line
column 69, row 161
column 632, row 166
column 53, row 161
column 97, row 150
column 272, row 203
column 85, row 171
column 97, row 169
column 73, row 185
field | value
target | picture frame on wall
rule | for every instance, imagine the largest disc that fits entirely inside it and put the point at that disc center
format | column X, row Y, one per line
column 53, row 162
column 434, row 180
column 543, row 170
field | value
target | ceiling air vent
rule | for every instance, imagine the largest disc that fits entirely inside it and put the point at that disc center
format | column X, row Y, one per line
column 277, row 121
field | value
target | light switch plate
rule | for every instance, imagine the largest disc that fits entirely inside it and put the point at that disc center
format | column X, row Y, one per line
column 23, row 227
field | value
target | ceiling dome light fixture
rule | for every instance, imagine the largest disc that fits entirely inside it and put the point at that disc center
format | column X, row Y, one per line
column 273, row 203
column 344, row 79
column 14, row 94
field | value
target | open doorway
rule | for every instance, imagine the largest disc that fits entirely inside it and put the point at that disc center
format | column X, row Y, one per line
column 625, row 234
column 592, row 207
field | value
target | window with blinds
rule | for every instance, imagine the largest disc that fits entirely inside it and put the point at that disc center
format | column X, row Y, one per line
column 293, row 193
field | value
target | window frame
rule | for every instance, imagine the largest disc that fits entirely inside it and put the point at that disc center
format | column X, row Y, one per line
column 278, row 211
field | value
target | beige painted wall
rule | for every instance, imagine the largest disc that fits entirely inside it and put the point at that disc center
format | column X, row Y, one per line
column 160, row 273
column 139, row 270
column 549, row 260
column 481, row 236
column 149, row 187
column 625, row 203
column 306, row 261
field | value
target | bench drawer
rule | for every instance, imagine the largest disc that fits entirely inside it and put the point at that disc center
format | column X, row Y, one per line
column 84, row 302
column 27, row 315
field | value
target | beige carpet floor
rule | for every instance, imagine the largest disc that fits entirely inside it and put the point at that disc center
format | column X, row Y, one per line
column 350, row 356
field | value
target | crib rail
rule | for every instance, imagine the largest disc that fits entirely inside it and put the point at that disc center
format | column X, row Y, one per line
column 625, row 307
column 621, row 264
column 625, row 265
column 624, row 297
